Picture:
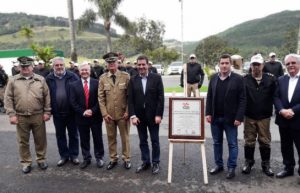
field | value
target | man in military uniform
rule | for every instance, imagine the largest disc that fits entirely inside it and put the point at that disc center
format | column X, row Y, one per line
column 260, row 89
column 112, row 96
column 27, row 103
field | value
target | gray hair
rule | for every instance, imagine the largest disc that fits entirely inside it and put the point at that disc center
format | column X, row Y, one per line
column 84, row 64
column 296, row 56
column 58, row 59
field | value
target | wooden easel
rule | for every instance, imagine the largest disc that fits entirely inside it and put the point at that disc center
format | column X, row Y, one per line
column 187, row 138
column 203, row 156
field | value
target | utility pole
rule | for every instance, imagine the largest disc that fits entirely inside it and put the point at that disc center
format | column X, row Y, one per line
column 181, row 30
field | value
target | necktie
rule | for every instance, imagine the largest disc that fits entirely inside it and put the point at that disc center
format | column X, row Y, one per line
column 86, row 93
column 113, row 78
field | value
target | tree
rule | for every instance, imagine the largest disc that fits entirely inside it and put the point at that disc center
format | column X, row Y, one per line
column 72, row 30
column 162, row 55
column 108, row 11
column 27, row 32
column 43, row 53
column 291, row 40
column 209, row 50
column 148, row 34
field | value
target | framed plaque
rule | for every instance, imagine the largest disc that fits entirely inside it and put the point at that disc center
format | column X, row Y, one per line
column 186, row 118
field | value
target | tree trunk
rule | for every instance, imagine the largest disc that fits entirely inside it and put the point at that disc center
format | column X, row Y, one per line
column 72, row 30
column 108, row 36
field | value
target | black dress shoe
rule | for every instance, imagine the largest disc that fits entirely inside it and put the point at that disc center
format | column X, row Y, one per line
column 285, row 173
column 43, row 165
column 26, row 169
column 143, row 167
column 268, row 171
column 127, row 165
column 111, row 165
column 62, row 162
column 100, row 163
column 216, row 170
column 230, row 173
column 155, row 168
column 85, row 164
column 75, row 161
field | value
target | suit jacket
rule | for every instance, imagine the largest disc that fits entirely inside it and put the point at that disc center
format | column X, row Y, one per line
column 281, row 102
column 235, row 98
column 146, row 106
column 77, row 99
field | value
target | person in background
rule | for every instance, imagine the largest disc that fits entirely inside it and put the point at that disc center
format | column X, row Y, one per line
column 63, row 115
column 260, row 89
column 273, row 66
column 99, row 70
column 16, row 68
column 195, row 76
column 112, row 97
column 146, row 107
column 151, row 69
column 84, row 100
column 41, row 69
column 225, row 108
column 27, row 103
column 287, row 105
column 3, row 82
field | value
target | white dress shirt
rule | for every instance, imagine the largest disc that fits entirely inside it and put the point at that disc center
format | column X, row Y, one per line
column 292, row 85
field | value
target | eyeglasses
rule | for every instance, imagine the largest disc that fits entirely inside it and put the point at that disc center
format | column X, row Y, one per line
column 291, row 63
column 57, row 65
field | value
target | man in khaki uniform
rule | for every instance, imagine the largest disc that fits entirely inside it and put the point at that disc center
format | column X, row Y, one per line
column 112, row 96
column 27, row 102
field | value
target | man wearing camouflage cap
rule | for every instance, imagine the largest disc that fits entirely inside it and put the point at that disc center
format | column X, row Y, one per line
column 112, row 96
column 27, row 103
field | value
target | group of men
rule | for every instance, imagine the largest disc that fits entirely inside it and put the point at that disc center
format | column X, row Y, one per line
column 78, row 104
column 232, row 99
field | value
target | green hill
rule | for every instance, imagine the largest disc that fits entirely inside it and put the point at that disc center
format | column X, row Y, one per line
column 265, row 34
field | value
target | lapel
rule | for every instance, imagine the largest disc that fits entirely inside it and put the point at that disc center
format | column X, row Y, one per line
column 297, row 88
column 149, row 78
column 229, row 83
column 139, row 84
column 214, row 85
column 81, row 91
column 118, row 77
column 286, row 88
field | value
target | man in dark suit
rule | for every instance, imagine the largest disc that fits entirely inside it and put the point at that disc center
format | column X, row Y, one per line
column 146, row 106
column 225, row 108
column 84, row 100
column 287, row 104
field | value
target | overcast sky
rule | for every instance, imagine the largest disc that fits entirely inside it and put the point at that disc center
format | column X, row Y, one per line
column 201, row 17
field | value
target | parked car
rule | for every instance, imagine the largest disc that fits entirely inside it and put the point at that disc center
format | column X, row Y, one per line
column 159, row 68
column 175, row 68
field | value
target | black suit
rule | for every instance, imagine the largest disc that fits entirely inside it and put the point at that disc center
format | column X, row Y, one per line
column 289, row 129
column 94, row 122
column 146, row 107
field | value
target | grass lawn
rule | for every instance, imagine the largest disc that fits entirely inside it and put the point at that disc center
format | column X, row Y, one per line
column 178, row 89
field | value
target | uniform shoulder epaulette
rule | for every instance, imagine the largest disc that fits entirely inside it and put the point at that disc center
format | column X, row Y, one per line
column 124, row 73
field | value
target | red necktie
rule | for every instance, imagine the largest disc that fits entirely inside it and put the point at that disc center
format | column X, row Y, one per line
column 86, row 93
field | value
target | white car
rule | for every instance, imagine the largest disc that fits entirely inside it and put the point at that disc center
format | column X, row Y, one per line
column 175, row 68
column 159, row 68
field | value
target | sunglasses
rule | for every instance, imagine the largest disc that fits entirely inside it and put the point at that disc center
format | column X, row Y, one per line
column 256, row 64
column 291, row 63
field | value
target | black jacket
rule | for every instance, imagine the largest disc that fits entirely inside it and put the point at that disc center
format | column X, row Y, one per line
column 195, row 74
column 77, row 99
column 235, row 98
column 3, row 78
column 146, row 106
column 260, row 96
column 274, row 68
column 50, row 79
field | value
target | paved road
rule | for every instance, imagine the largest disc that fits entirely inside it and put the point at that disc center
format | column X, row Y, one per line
column 174, row 81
